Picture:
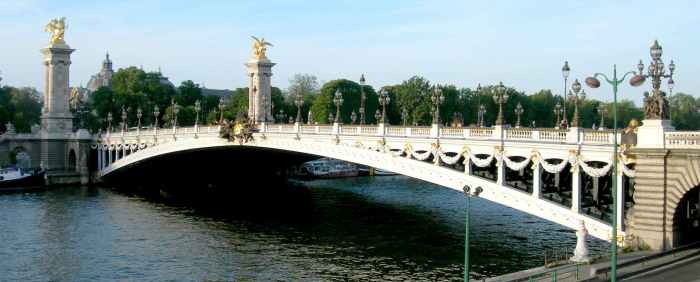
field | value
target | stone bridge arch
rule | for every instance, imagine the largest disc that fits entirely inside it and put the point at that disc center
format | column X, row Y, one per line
column 371, row 154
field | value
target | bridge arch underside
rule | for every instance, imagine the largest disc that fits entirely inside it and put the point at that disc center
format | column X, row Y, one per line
column 279, row 153
column 686, row 219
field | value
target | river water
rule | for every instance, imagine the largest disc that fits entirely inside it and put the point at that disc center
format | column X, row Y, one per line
column 361, row 229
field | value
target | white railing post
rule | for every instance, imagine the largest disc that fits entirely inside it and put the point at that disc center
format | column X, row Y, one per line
column 535, row 135
column 619, row 191
column 297, row 127
column 336, row 128
column 381, row 128
column 576, row 190
column 466, row 131
column 537, row 180
column 435, row 130
column 407, row 131
column 574, row 135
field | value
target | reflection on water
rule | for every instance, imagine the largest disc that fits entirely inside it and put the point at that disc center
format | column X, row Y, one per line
column 374, row 229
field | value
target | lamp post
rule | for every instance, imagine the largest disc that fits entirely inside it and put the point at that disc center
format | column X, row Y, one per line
column 404, row 116
column 109, row 123
column 603, row 110
column 518, row 111
column 299, row 101
column 479, row 115
column 330, row 117
column 593, row 82
column 656, row 106
column 221, row 110
column 363, row 97
column 384, row 100
column 281, row 116
column 576, row 98
column 139, row 114
column 565, row 70
column 500, row 98
column 197, row 108
column 353, row 117
column 557, row 112
column 482, row 112
column 467, row 195
column 377, row 116
column 338, row 101
column 437, row 98
column 175, row 110
column 156, row 113
column 124, row 122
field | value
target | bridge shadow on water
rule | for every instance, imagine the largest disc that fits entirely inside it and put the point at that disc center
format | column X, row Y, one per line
column 367, row 228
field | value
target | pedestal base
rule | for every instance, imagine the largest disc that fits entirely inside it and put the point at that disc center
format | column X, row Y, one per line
column 652, row 133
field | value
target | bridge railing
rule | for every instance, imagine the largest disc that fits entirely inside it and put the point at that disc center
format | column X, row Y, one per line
column 547, row 135
column 683, row 139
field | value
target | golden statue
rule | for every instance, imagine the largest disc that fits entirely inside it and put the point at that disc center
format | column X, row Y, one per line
column 57, row 28
column 259, row 47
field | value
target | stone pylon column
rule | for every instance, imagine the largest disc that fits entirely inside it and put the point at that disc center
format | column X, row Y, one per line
column 260, row 90
column 56, row 118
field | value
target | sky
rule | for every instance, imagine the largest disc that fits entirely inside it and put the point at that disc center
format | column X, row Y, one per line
column 521, row 43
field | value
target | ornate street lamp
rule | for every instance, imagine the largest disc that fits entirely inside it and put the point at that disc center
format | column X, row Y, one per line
column 156, row 113
column 330, row 118
column 309, row 117
column 656, row 105
column 603, row 110
column 500, row 98
column 593, row 82
column 437, row 98
column 109, row 122
column 124, row 121
column 377, row 116
column 565, row 70
column 479, row 115
column 353, row 117
column 175, row 111
column 518, row 111
column 482, row 112
column 338, row 101
column 197, row 108
column 299, row 101
column 363, row 97
column 558, row 111
column 221, row 110
column 384, row 100
column 139, row 114
column 576, row 98
column 404, row 116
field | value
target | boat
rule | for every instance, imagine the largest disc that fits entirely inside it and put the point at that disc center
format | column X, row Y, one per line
column 16, row 179
column 330, row 168
column 375, row 172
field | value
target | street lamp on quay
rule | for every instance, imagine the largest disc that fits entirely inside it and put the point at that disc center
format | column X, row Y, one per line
column 482, row 112
column 139, row 114
column 518, row 111
column 565, row 71
column 124, row 121
column 221, row 110
column 603, row 110
column 156, row 113
column 377, row 116
column 437, row 98
column 330, row 117
column 175, row 111
column 299, row 101
column 500, row 98
column 558, row 111
column 479, row 115
column 197, row 108
column 384, row 100
column 404, row 116
column 109, row 123
column 467, row 195
column 593, row 82
column 363, row 97
column 576, row 98
column 338, row 101
column 353, row 117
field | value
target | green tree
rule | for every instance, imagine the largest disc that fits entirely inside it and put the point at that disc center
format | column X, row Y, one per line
column 188, row 93
column 684, row 111
column 323, row 105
